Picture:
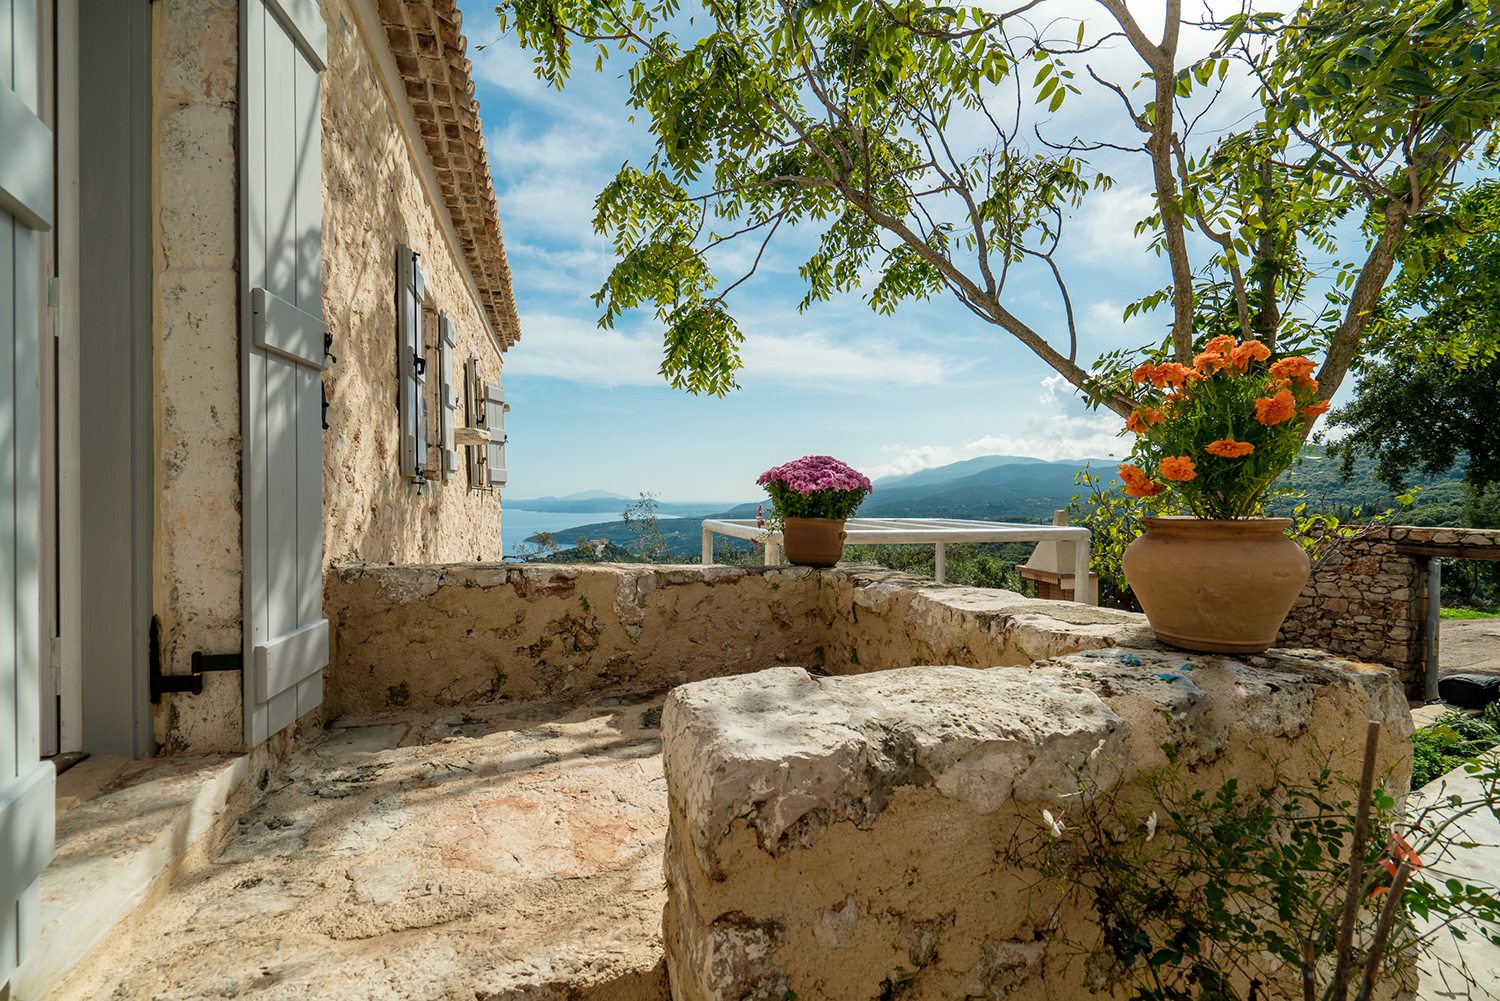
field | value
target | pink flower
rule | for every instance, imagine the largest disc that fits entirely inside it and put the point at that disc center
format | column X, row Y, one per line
column 813, row 473
column 760, row 516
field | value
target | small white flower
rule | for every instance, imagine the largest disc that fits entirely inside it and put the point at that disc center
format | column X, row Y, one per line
column 1151, row 826
column 1053, row 823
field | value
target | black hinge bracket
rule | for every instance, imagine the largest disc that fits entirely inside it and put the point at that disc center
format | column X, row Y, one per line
column 217, row 661
column 163, row 683
column 191, row 684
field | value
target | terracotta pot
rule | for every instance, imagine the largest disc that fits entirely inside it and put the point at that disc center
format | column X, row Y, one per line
column 1218, row 586
column 813, row 542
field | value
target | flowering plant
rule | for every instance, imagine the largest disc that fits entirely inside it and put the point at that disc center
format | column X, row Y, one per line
column 815, row 486
column 1219, row 433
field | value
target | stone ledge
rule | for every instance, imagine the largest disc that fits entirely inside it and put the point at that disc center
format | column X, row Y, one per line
column 834, row 837
column 429, row 636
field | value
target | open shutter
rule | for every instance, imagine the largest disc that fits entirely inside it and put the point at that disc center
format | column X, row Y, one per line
column 411, row 365
column 474, row 398
column 26, row 782
column 494, row 421
column 447, row 397
column 286, row 635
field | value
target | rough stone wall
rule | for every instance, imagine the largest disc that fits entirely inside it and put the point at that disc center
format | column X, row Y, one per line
column 863, row 838
column 1369, row 602
column 420, row 636
column 374, row 198
column 195, row 317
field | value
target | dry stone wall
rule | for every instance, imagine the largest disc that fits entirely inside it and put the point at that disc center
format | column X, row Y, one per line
column 428, row 636
column 863, row 837
column 1368, row 601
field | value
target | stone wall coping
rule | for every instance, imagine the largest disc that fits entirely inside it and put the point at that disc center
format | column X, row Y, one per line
column 788, row 754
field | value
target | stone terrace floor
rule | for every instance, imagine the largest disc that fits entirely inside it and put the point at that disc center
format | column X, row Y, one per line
column 482, row 855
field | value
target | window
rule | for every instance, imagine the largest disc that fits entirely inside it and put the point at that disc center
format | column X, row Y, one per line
column 411, row 365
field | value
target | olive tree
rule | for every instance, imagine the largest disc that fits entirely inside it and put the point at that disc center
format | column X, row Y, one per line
column 915, row 140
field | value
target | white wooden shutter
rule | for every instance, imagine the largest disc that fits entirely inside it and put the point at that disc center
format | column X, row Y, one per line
column 411, row 364
column 26, row 783
column 286, row 636
column 494, row 422
column 447, row 397
column 474, row 402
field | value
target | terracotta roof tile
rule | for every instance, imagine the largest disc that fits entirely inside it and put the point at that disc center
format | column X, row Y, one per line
column 426, row 39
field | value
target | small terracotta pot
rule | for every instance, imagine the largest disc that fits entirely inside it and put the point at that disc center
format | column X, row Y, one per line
column 1217, row 586
column 813, row 542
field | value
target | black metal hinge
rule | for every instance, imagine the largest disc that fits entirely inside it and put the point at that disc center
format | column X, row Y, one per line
column 192, row 684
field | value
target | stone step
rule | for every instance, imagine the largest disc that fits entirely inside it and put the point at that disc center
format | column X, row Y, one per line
column 125, row 830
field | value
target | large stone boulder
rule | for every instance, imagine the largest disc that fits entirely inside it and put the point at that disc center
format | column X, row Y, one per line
column 858, row 837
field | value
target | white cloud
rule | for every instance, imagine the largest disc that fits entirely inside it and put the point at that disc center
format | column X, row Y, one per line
column 567, row 347
column 1103, row 324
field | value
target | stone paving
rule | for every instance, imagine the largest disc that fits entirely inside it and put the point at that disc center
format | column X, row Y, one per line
column 494, row 854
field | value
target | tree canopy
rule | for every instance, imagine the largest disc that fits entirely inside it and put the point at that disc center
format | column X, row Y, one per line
column 1430, row 395
column 915, row 139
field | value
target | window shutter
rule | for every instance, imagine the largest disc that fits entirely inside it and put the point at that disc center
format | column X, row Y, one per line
column 494, row 420
column 27, row 784
column 474, row 399
column 282, row 357
column 411, row 365
column 447, row 397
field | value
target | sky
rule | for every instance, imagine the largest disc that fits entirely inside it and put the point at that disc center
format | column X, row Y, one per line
column 928, row 385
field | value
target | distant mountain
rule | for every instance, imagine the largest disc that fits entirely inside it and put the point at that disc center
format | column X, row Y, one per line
column 954, row 470
column 1021, row 488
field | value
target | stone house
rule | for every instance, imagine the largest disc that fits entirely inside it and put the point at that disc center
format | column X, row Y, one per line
column 253, row 308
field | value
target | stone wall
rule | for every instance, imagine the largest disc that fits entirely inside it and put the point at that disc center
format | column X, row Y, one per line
column 424, row 636
column 376, row 194
column 864, row 838
column 378, row 191
column 1368, row 601
column 195, row 356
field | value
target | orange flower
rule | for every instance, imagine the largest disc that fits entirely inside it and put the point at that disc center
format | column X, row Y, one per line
column 1402, row 850
column 1228, row 448
column 1173, row 374
column 1143, row 372
column 1210, row 361
column 1137, row 484
column 1248, row 352
column 1222, row 345
column 1292, row 368
column 1272, row 410
column 1143, row 418
column 1178, row 467
column 1314, row 409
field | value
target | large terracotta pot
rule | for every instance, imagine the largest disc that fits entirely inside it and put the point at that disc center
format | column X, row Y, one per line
column 1219, row 586
column 813, row 542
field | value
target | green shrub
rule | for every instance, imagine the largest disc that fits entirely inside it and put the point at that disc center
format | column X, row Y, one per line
column 1452, row 739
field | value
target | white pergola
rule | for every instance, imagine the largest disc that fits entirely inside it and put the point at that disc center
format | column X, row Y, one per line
column 935, row 532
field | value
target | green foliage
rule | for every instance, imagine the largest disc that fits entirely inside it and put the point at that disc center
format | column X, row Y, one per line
column 1114, row 522
column 789, row 503
column 1426, row 398
column 881, row 128
column 1460, row 614
column 1452, row 739
column 1233, row 892
column 640, row 521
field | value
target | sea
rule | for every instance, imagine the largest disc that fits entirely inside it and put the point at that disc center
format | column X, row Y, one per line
column 518, row 524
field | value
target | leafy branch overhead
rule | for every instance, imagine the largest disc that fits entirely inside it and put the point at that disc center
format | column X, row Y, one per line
column 916, row 141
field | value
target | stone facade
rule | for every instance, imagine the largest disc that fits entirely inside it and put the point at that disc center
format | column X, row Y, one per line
column 865, row 837
column 1368, row 600
column 380, row 189
column 420, row 637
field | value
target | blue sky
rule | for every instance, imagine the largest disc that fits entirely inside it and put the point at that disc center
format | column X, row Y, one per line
column 888, row 394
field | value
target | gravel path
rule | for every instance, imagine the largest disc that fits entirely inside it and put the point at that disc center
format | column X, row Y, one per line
column 1469, row 646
